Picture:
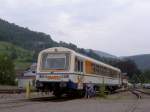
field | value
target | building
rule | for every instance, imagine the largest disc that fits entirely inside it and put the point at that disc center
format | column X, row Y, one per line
column 27, row 77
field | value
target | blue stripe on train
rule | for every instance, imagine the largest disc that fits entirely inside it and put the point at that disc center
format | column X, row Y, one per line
column 71, row 85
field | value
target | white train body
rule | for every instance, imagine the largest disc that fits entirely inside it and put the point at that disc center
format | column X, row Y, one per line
column 61, row 65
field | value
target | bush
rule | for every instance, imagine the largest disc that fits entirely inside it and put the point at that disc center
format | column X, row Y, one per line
column 102, row 90
column 7, row 71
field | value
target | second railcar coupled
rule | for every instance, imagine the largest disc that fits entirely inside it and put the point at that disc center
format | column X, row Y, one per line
column 61, row 70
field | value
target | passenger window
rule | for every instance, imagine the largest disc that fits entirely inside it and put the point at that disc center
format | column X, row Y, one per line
column 97, row 69
column 78, row 65
column 81, row 66
column 94, row 68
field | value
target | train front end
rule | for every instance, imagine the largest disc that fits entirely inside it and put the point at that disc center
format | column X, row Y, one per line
column 53, row 70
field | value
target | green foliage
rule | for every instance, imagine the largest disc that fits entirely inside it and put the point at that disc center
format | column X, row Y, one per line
column 7, row 72
column 35, row 41
column 13, row 52
column 135, row 79
column 19, row 55
column 128, row 66
column 23, row 45
column 23, row 36
column 102, row 90
column 146, row 76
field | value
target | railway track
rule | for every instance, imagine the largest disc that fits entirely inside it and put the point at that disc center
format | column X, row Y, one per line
column 13, row 104
column 143, row 92
column 32, row 101
column 25, row 102
column 134, row 106
column 139, row 94
column 10, row 91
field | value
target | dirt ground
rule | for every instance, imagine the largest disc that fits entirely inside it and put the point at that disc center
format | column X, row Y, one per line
column 120, row 102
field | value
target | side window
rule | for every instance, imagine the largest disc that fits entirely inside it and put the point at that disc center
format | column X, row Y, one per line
column 93, row 67
column 78, row 65
column 81, row 66
column 97, row 69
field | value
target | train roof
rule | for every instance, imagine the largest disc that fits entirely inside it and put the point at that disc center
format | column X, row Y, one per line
column 80, row 55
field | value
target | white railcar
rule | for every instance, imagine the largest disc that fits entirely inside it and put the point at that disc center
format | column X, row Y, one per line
column 60, row 69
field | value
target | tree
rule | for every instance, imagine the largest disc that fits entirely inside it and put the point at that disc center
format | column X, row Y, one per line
column 7, row 72
column 13, row 53
column 146, row 76
column 128, row 66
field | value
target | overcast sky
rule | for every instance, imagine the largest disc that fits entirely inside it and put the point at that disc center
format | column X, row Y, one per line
column 119, row 27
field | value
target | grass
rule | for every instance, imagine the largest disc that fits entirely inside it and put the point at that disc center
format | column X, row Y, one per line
column 23, row 57
column 22, row 65
column 102, row 90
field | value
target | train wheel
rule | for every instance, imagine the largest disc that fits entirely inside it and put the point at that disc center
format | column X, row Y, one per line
column 76, row 93
column 82, row 93
column 57, row 93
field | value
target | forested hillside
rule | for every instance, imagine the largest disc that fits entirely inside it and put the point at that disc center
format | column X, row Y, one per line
column 36, row 41
column 104, row 54
column 143, row 61
column 23, row 45
column 23, row 37
column 22, row 58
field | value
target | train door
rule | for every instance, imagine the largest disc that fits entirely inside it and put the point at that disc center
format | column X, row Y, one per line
column 79, row 69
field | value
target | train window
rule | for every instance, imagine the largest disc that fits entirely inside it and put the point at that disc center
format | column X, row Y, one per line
column 113, row 74
column 78, row 65
column 81, row 66
column 94, row 68
column 53, row 61
column 97, row 69
column 107, row 72
column 104, row 70
column 100, row 69
column 116, row 74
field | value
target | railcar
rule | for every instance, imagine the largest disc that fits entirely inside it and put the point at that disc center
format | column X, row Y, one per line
column 61, row 70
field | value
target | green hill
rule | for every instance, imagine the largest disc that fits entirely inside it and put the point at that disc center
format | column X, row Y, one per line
column 142, row 61
column 35, row 41
column 21, row 57
column 24, row 45
column 23, row 37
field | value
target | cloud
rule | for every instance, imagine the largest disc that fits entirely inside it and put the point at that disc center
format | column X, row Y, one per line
column 120, row 27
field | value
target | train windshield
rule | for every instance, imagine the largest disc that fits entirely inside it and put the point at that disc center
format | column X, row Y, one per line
column 54, row 61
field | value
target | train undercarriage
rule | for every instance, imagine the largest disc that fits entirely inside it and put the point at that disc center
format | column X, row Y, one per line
column 70, row 89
